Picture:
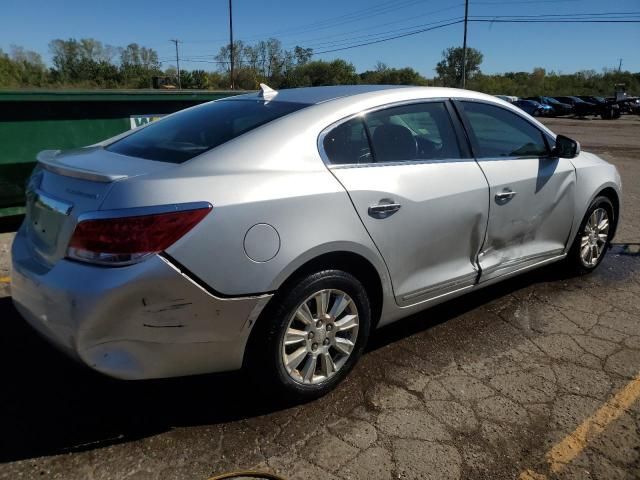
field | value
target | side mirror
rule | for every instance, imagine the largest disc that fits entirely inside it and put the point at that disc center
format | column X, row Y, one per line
column 566, row 147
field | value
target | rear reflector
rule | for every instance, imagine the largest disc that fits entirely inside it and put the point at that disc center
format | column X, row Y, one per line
column 126, row 240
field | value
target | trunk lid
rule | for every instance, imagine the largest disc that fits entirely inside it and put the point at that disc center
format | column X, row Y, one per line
column 66, row 185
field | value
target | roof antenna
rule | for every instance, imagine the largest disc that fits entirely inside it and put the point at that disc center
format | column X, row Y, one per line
column 267, row 92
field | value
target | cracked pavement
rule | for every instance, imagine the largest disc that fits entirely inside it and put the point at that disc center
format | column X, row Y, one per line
column 486, row 386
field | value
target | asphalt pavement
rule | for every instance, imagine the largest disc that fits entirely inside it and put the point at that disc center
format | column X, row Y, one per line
column 536, row 378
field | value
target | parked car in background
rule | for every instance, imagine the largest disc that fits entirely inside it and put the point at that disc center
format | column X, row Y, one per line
column 629, row 105
column 273, row 231
column 507, row 98
column 607, row 109
column 533, row 108
column 559, row 108
column 581, row 108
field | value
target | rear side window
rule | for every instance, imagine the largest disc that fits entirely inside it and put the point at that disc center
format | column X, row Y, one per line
column 501, row 133
column 348, row 143
column 194, row 131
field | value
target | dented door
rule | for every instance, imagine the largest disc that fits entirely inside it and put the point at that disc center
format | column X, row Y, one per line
column 422, row 199
column 531, row 191
column 530, row 213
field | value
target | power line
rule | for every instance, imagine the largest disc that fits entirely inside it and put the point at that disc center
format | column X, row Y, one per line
column 477, row 20
column 525, row 2
column 357, row 16
column 313, row 43
column 568, row 15
column 390, row 38
column 498, row 20
column 350, row 40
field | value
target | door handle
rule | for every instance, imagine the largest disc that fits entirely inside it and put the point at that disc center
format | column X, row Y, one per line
column 505, row 195
column 383, row 210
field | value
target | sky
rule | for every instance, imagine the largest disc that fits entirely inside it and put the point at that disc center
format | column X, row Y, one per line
column 202, row 27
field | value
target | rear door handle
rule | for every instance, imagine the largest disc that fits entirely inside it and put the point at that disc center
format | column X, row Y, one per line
column 383, row 210
column 505, row 195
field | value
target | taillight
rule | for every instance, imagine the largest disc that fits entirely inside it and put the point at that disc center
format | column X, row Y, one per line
column 126, row 240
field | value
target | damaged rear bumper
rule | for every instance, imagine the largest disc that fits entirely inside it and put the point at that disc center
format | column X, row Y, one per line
column 142, row 321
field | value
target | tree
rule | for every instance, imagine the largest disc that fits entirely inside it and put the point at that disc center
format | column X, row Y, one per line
column 317, row 73
column 449, row 69
column 28, row 67
column 65, row 58
column 139, row 65
column 302, row 55
column 263, row 62
column 384, row 75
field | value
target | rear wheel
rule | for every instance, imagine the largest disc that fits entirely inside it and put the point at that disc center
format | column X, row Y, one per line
column 311, row 336
column 592, row 240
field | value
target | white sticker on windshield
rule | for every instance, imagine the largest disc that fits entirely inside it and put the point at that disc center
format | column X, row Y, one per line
column 139, row 120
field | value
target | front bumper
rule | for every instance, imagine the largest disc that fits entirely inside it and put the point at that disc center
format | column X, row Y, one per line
column 142, row 321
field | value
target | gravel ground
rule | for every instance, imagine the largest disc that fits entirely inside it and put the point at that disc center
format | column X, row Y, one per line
column 532, row 379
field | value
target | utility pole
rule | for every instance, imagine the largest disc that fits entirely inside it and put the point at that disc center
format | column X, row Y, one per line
column 464, row 45
column 177, row 61
column 231, row 43
column 620, row 66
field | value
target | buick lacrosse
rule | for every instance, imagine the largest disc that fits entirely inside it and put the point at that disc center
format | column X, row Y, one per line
column 273, row 231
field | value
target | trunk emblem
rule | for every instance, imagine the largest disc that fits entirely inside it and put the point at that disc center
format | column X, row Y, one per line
column 93, row 196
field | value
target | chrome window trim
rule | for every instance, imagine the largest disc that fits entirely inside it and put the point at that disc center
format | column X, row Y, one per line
column 399, row 163
column 142, row 211
column 337, row 123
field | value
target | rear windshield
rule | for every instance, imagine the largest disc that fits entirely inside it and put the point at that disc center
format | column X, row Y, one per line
column 189, row 133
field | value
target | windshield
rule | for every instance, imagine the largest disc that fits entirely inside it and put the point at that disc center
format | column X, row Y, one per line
column 194, row 131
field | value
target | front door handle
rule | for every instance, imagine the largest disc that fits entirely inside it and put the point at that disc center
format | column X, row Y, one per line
column 383, row 210
column 505, row 195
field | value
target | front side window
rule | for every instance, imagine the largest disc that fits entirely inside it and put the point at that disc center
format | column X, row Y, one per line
column 412, row 133
column 191, row 132
column 501, row 133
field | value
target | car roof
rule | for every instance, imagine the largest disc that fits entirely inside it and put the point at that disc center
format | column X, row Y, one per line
column 316, row 95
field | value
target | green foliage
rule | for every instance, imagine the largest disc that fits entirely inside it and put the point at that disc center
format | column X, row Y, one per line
column 383, row 75
column 539, row 82
column 318, row 73
column 22, row 67
column 449, row 69
column 89, row 63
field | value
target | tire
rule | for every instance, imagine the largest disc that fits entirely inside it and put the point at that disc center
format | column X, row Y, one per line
column 267, row 352
column 576, row 257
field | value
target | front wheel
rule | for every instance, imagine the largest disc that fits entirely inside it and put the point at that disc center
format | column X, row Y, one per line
column 311, row 336
column 592, row 241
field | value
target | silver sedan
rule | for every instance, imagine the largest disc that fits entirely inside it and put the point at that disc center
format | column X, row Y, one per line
column 273, row 231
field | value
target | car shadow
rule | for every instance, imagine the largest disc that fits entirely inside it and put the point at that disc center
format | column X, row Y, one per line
column 51, row 405
column 10, row 224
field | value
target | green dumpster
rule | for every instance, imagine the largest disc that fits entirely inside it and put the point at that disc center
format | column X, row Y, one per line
column 31, row 121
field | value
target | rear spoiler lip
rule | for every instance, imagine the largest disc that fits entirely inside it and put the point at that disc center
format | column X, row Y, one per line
column 47, row 159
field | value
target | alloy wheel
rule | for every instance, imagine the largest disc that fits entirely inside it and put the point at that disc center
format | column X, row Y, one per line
column 320, row 336
column 594, row 237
